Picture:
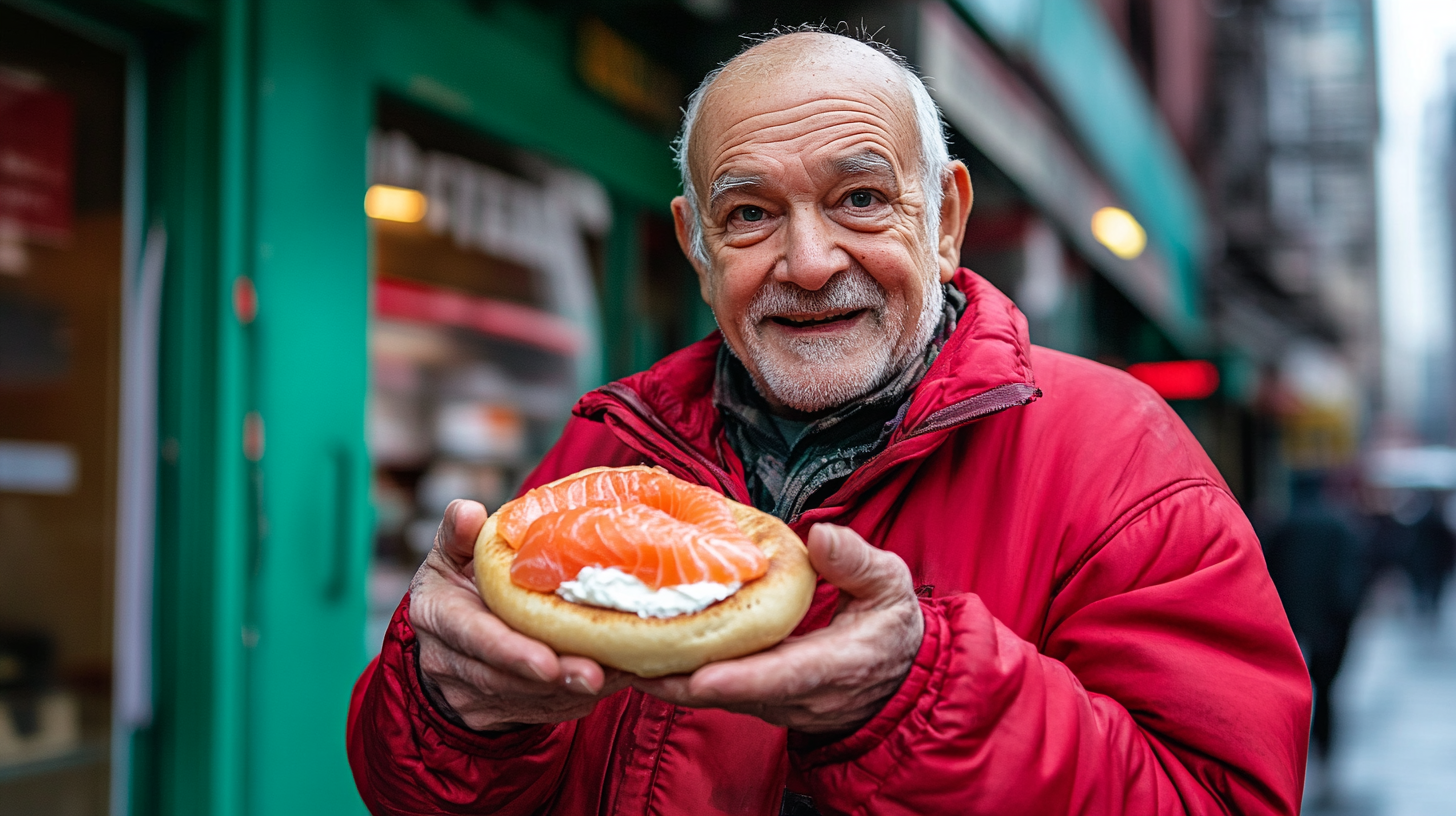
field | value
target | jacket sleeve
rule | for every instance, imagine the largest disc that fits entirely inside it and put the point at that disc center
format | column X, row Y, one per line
column 1167, row 682
column 408, row 759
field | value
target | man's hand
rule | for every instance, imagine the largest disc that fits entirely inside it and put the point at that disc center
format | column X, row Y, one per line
column 836, row 678
column 491, row 676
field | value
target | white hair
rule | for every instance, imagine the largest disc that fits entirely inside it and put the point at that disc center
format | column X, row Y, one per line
column 934, row 147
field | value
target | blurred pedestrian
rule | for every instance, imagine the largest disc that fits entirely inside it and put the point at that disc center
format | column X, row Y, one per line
column 1319, row 568
column 1412, row 535
column 1428, row 558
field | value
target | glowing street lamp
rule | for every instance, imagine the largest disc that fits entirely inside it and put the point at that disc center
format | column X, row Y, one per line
column 1117, row 230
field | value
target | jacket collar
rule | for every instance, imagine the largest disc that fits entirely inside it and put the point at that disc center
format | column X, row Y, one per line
column 985, row 365
column 983, row 368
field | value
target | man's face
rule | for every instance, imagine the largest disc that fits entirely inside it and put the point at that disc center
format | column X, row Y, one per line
column 822, row 276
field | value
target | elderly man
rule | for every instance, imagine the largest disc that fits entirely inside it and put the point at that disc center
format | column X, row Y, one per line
column 1037, row 595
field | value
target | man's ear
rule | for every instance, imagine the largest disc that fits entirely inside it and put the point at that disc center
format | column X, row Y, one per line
column 955, row 207
column 681, row 224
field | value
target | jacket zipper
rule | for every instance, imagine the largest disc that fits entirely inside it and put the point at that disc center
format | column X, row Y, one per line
column 994, row 401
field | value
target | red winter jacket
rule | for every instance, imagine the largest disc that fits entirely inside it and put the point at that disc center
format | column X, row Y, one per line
column 1101, row 635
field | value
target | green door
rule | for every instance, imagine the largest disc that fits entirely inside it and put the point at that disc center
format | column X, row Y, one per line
column 308, row 248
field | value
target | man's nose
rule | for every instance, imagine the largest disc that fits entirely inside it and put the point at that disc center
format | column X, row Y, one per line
column 812, row 256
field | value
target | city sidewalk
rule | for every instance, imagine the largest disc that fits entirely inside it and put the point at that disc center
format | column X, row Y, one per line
column 1395, row 740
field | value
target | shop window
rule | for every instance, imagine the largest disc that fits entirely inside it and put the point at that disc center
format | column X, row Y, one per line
column 487, row 259
column 61, row 167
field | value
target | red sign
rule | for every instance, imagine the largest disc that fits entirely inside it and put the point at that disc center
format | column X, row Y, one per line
column 1178, row 379
column 37, row 169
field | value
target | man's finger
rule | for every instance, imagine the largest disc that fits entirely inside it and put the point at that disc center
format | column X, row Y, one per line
column 779, row 673
column 789, row 669
column 458, row 530
column 584, row 675
column 464, row 625
column 450, row 666
column 849, row 562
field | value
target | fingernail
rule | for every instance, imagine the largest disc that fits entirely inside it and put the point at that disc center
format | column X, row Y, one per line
column 539, row 672
column 579, row 685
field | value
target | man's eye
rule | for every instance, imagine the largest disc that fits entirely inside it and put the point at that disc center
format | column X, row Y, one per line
column 751, row 213
column 861, row 198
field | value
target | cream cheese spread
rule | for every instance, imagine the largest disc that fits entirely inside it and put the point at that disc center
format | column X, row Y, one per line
column 614, row 589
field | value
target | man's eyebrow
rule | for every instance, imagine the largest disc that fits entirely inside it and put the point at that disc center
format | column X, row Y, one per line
column 727, row 181
column 869, row 161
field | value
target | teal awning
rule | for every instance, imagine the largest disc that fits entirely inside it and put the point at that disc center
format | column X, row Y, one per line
column 1084, row 65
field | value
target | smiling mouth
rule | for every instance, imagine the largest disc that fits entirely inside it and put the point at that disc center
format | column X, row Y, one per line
column 812, row 321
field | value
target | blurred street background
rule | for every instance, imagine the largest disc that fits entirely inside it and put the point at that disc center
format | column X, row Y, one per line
column 281, row 278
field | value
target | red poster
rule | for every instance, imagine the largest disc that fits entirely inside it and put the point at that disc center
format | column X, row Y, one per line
column 37, row 170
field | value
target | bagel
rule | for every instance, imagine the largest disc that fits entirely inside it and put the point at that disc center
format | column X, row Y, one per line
column 760, row 614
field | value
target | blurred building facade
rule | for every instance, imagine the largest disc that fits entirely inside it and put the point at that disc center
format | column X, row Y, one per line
column 1437, row 411
column 363, row 256
column 1289, row 164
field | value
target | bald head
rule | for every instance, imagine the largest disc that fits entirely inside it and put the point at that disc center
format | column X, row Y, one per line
column 810, row 55
column 802, row 73
column 788, row 69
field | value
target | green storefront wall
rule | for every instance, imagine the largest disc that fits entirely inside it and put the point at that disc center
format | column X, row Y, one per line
column 257, row 115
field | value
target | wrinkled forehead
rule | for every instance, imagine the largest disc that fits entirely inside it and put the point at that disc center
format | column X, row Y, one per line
column 800, row 75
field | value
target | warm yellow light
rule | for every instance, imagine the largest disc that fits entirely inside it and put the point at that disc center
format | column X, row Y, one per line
column 1119, row 232
column 395, row 203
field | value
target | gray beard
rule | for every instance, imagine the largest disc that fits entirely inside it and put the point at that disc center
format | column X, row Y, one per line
column 825, row 375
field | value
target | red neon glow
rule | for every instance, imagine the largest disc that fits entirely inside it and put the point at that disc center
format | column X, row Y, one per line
column 1180, row 379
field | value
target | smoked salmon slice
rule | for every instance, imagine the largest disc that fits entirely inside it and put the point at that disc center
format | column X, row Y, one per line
column 645, row 523
column 639, row 540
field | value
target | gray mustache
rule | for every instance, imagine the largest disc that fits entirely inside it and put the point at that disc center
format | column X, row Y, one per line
column 845, row 291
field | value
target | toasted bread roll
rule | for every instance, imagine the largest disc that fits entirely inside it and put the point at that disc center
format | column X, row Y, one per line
column 760, row 614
